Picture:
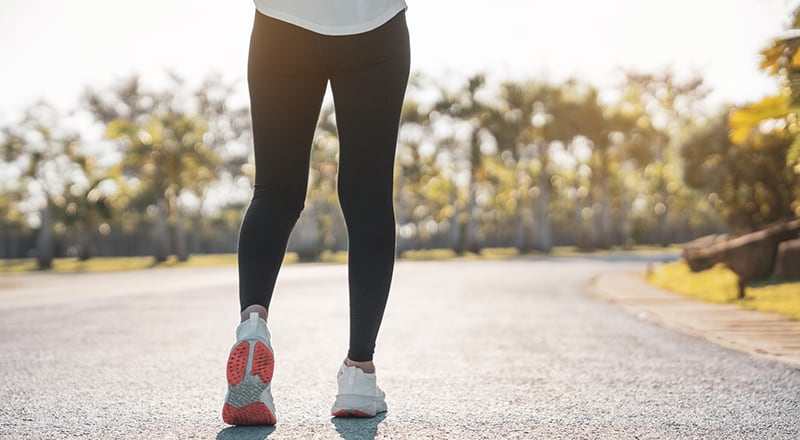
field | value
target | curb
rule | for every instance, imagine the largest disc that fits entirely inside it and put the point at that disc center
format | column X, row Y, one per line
column 765, row 335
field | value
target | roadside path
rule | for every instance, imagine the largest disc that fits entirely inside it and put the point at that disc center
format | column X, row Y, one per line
column 761, row 334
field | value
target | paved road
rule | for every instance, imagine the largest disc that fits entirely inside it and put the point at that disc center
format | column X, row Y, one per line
column 469, row 349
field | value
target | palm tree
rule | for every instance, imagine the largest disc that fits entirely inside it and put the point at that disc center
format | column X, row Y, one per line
column 465, row 107
column 615, row 139
column 671, row 107
column 527, row 120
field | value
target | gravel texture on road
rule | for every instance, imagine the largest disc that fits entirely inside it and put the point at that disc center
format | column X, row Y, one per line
column 469, row 349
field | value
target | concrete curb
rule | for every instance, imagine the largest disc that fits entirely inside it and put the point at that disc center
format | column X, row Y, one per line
column 766, row 335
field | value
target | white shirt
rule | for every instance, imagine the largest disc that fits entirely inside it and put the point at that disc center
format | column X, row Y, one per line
column 332, row 17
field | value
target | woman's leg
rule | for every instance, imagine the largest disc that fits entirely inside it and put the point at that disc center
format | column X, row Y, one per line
column 287, row 84
column 368, row 80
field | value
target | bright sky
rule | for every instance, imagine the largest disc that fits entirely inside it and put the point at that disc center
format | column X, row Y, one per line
column 52, row 49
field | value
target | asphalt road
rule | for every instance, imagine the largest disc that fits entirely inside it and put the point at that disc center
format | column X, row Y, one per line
column 469, row 349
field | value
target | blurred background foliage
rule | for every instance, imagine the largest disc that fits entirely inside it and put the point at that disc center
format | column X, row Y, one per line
column 481, row 163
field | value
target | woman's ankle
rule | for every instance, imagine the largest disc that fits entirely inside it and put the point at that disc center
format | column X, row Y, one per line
column 366, row 366
column 261, row 310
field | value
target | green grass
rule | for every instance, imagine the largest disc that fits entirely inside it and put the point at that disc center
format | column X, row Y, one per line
column 500, row 253
column 110, row 264
column 107, row 264
column 572, row 251
column 429, row 254
column 719, row 285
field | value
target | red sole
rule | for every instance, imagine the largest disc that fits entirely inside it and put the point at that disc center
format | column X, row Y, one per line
column 263, row 366
column 351, row 413
column 237, row 363
column 253, row 414
column 263, row 363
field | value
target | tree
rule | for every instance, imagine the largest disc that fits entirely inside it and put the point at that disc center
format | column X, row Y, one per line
column 671, row 106
column 87, row 203
column 12, row 215
column 751, row 186
column 464, row 108
column 768, row 131
column 230, row 137
column 37, row 146
column 530, row 121
column 163, row 139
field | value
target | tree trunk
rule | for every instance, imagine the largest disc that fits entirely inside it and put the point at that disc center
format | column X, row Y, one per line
column 663, row 238
column 85, row 240
column 456, row 232
column 545, row 227
column 663, row 227
column 541, row 215
column 476, row 164
column 197, row 229
column 197, row 235
column 580, row 238
column 626, row 229
column 44, row 241
column 605, row 231
column 605, row 210
column 543, row 234
column 181, row 243
column 787, row 262
column 520, row 240
column 470, row 237
column 601, row 221
column 161, row 243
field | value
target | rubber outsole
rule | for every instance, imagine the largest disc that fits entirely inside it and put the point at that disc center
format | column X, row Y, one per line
column 254, row 414
column 246, row 393
column 351, row 413
column 263, row 363
column 237, row 363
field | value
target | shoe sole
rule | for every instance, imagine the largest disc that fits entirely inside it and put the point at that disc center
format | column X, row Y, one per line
column 351, row 413
column 357, row 406
column 243, row 405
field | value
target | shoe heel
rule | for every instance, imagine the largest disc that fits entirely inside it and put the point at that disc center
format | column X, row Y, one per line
column 249, row 376
column 254, row 414
column 348, row 405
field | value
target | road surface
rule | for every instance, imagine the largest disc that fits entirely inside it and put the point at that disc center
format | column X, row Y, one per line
column 469, row 349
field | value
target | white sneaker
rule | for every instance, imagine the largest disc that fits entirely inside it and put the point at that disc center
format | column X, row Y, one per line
column 249, row 371
column 359, row 395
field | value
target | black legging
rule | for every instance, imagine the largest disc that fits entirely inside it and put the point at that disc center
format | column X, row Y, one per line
column 288, row 71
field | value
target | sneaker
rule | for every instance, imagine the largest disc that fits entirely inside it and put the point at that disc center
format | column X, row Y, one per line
column 359, row 395
column 249, row 371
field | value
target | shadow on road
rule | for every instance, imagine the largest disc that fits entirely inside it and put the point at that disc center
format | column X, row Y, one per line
column 358, row 429
column 245, row 433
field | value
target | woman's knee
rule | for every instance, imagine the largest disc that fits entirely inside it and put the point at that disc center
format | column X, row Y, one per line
column 289, row 204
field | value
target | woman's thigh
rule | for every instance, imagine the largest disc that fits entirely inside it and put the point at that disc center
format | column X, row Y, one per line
column 369, row 86
column 287, row 84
